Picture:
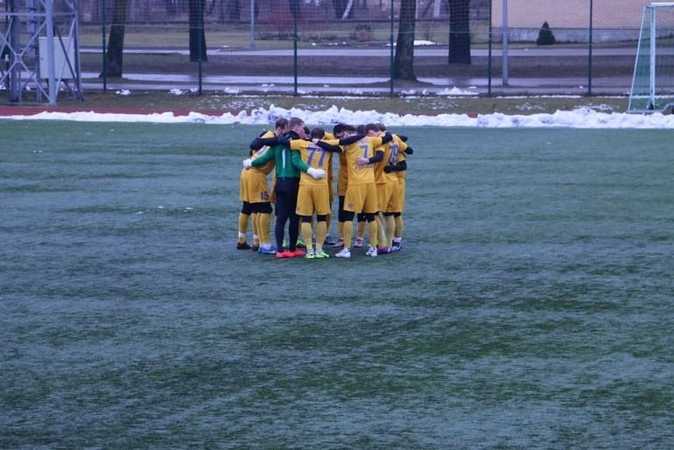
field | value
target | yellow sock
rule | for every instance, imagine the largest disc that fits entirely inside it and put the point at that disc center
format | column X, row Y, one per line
column 328, row 219
column 398, row 233
column 381, row 235
column 347, row 234
column 361, row 229
column 256, row 228
column 243, row 227
column 390, row 227
column 306, row 235
column 321, row 232
column 263, row 224
column 372, row 229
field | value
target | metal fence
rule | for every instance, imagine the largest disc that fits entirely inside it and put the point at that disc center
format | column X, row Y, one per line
column 349, row 47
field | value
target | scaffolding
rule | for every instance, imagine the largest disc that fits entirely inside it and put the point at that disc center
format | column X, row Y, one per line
column 40, row 50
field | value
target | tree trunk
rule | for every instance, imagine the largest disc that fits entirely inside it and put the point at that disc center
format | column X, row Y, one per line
column 459, row 32
column 197, row 34
column 295, row 9
column 340, row 8
column 233, row 10
column 171, row 8
column 115, row 54
column 403, row 63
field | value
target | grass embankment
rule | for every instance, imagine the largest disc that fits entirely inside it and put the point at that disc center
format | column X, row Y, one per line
column 214, row 102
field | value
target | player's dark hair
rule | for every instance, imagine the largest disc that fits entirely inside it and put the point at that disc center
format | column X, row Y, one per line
column 371, row 127
column 339, row 128
column 318, row 133
column 281, row 123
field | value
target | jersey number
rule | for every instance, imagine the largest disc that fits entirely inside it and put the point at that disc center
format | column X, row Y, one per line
column 312, row 153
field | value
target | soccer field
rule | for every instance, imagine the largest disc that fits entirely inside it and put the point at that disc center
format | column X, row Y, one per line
column 531, row 306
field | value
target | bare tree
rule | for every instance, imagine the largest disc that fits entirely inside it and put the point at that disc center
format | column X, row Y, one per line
column 115, row 53
column 232, row 10
column 341, row 6
column 197, row 35
column 459, row 32
column 403, row 63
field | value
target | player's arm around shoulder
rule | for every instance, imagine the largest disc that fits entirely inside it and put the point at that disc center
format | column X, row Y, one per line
column 262, row 158
column 402, row 144
column 296, row 159
column 378, row 141
column 330, row 141
column 266, row 138
column 323, row 144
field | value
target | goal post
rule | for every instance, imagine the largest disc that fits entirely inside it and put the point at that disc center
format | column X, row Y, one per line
column 653, row 79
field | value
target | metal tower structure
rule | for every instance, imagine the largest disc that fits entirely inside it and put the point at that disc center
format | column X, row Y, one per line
column 40, row 51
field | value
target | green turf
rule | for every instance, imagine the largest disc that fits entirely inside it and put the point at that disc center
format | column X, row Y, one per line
column 530, row 308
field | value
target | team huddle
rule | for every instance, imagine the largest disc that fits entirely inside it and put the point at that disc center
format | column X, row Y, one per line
column 370, row 188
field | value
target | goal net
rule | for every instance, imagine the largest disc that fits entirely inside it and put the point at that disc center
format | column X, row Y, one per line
column 653, row 80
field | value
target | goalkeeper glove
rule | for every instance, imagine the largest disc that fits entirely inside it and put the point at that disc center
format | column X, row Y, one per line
column 316, row 174
column 247, row 163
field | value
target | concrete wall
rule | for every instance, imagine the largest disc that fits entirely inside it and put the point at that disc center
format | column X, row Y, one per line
column 569, row 13
column 569, row 20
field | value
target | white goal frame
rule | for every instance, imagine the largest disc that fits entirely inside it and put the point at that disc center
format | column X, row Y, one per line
column 650, row 98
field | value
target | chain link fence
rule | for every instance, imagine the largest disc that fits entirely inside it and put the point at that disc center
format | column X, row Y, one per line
column 461, row 47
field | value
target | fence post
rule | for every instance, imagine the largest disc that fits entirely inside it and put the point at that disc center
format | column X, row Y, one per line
column 252, row 24
column 589, row 56
column 295, row 12
column 51, row 80
column 392, row 60
column 201, row 50
column 104, row 74
column 504, row 52
column 490, row 41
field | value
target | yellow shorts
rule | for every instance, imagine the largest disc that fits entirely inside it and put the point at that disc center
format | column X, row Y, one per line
column 389, row 197
column 254, row 187
column 313, row 198
column 361, row 198
column 331, row 191
column 401, row 194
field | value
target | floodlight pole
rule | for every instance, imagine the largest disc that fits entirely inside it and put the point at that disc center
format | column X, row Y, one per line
column 14, row 69
column 44, row 44
column 49, row 24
